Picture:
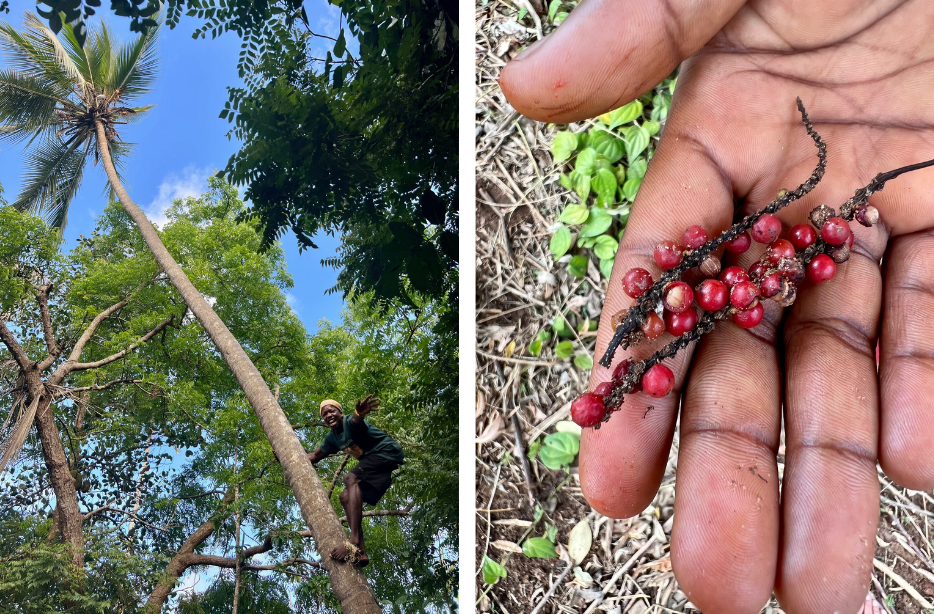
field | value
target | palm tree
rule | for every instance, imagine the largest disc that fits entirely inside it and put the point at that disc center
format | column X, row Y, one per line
column 68, row 99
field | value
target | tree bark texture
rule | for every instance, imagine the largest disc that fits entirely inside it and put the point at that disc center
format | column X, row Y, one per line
column 348, row 583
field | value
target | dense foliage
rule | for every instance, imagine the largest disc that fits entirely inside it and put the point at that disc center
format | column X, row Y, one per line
column 177, row 434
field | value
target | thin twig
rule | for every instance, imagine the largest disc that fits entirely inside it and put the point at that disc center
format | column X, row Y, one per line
column 552, row 588
column 523, row 459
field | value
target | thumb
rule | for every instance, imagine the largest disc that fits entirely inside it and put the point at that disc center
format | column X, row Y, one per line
column 607, row 53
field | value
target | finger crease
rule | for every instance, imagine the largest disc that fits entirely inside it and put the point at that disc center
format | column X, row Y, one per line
column 856, row 337
column 848, row 451
column 755, row 437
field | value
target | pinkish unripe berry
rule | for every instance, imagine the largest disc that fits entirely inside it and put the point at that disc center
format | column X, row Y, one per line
column 588, row 409
column 770, row 285
column 758, row 269
column 658, row 381
column 636, row 282
column 653, row 327
column 712, row 295
column 677, row 296
column 792, row 270
column 821, row 268
column 835, row 231
column 744, row 294
column 694, row 237
column 749, row 317
column 680, row 323
column 668, row 254
column 867, row 215
column 766, row 229
column 780, row 248
column 802, row 236
column 733, row 274
column 621, row 370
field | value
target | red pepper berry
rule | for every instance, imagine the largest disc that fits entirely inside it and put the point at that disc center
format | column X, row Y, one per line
column 680, row 323
column 849, row 239
column 653, row 327
column 694, row 237
column 603, row 389
column 802, row 236
column 780, row 248
column 744, row 294
column 668, row 254
column 835, row 231
column 621, row 370
column 749, row 317
column 636, row 282
column 658, row 381
column 677, row 296
column 733, row 274
column 712, row 295
column 740, row 244
column 758, row 269
column 771, row 285
column 766, row 229
column 588, row 409
column 821, row 268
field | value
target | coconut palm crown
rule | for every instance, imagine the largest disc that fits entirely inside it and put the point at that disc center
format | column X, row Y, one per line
column 53, row 90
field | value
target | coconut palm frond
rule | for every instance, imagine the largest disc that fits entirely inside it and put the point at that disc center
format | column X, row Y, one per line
column 135, row 66
column 12, row 444
column 32, row 53
column 27, row 105
column 47, row 47
column 79, row 54
column 99, row 48
column 53, row 173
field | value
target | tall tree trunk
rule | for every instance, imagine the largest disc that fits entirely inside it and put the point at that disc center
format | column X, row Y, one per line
column 70, row 518
column 349, row 584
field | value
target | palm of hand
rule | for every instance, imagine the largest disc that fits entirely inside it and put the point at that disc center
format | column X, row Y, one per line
column 733, row 132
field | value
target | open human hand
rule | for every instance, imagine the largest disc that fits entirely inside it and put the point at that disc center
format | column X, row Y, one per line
column 864, row 71
column 365, row 406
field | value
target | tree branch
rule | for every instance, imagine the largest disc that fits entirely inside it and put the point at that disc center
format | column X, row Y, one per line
column 84, row 366
column 19, row 355
column 61, row 392
column 133, row 516
column 43, row 299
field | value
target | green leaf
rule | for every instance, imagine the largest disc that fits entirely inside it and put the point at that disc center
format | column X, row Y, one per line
column 637, row 169
column 580, row 539
column 586, row 242
column 585, row 161
column 553, row 7
column 625, row 114
column 533, row 449
column 637, row 139
column 583, row 362
column 564, row 349
column 539, row 548
column 630, row 188
column 492, row 571
column 522, row 13
column 535, row 348
column 567, row 426
column 341, row 45
column 565, row 181
column 563, row 146
column 560, row 242
column 605, row 247
column 543, row 335
column 581, row 183
column 574, row 214
column 607, row 144
column 604, row 184
column 597, row 223
column 606, row 267
column 652, row 127
column 578, row 266
column 561, row 327
column 551, row 533
column 560, row 17
column 339, row 76
column 559, row 449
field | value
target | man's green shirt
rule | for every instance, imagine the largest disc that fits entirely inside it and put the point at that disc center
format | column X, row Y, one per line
column 361, row 440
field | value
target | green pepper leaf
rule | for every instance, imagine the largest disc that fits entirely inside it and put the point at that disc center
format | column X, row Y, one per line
column 539, row 548
column 492, row 571
column 564, row 349
column 560, row 242
column 563, row 146
column 597, row 223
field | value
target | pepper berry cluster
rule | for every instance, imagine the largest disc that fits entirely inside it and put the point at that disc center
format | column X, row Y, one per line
column 692, row 276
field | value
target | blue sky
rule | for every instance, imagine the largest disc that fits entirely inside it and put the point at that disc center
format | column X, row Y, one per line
column 182, row 141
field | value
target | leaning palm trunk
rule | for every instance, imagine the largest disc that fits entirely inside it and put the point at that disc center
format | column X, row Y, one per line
column 349, row 584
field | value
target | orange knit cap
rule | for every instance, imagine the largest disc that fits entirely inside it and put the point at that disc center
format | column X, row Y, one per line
column 329, row 402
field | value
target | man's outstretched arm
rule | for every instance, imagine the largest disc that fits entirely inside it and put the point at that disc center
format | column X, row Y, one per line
column 317, row 456
column 364, row 407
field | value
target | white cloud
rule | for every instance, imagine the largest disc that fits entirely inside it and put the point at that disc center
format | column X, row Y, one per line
column 190, row 182
column 292, row 300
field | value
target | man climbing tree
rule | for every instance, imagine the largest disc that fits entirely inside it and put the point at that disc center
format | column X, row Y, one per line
column 378, row 455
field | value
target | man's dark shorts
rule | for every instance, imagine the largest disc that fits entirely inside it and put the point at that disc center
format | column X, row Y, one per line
column 375, row 473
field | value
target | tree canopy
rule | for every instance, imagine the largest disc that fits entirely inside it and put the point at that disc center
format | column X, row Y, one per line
column 161, row 443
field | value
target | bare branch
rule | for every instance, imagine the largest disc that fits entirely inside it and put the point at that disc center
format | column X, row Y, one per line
column 133, row 516
column 62, row 391
column 83, row 366
column 19, row 355
column 43, row 299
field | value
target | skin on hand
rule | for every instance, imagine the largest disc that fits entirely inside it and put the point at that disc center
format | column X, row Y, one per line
column 364, row 407
column 864, row 71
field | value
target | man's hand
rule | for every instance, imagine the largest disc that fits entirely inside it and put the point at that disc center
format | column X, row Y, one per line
column 364, row 407
column 316, row 456
column 865, row 71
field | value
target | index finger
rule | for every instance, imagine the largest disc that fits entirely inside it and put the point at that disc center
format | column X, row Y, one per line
column 607, row 53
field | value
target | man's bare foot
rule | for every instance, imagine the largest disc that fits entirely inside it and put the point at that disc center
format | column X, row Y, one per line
column 342, row 553
column 350, row 553
column 360, row 559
